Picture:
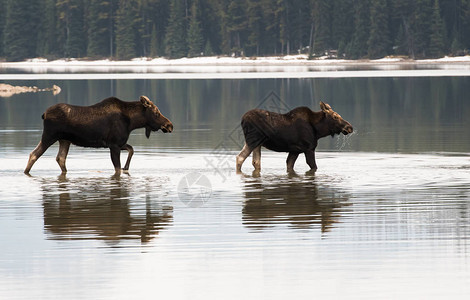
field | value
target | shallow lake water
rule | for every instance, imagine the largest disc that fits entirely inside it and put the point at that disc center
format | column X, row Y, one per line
column 386, row 216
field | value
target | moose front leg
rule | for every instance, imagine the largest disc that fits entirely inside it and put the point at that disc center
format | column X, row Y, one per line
column 291, row 158
column 116, row 158
column 310, row 157
column 131, row 152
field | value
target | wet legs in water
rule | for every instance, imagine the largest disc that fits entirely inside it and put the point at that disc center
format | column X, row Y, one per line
column 310, row 157
column 36, row 154
column 64, row 147
column 291, row 158
column 257, row 158
column 131, row 152
column 116, row 157
column 246, row 151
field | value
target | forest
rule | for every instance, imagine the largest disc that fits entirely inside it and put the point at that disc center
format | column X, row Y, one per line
column 125, row 29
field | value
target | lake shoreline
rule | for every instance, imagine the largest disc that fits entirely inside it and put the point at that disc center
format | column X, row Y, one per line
column 288, row 60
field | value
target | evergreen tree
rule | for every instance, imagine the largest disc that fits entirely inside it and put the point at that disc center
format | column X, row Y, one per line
column 256, row 27
column 154, row 42
column 301, row 24
column 379, row 38
column 156, row 22
column 437, row 39
column 2, row 23
column 208, row 49
column 175, row 38
column 422, row 27
column 195, row 39
column 402, row 16
column 127, row 29
column 20, row 37
column 282, row 13
column 71, row 16
column 237, row 25
column 462, row 29
column 146, row 26
column 342, row 28
column 322, row 38
column 100, row 22
column 211, row 25
column 359, row 45
column 271, row 30
column 48, row 40
column 400, row 47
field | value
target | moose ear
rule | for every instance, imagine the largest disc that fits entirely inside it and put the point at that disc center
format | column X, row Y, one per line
column 146, row 101
column 324, row 106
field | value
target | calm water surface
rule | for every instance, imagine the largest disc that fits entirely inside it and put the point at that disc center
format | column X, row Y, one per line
column 386, row 216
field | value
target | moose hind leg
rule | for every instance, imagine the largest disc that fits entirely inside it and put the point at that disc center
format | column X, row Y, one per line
column 35, row 154
column 131, row 153
column 241, row 157
column 64, row 147
column 291, row 158
column 257, row 158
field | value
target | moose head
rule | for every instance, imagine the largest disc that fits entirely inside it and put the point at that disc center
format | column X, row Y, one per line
column 155, row 119
column 334, row 122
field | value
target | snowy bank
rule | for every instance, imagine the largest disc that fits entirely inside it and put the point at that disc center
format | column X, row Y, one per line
column 219, row 67
column 292, row 60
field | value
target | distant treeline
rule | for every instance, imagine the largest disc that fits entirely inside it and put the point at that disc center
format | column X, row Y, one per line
column 123, row 29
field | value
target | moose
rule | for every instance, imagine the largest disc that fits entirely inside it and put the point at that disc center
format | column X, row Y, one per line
column 106, row 124
column 295, row 132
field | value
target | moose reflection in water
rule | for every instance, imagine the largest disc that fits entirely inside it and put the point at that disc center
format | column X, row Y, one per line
column 300, row 202
column 106, row 124
column 295, row 132
column 104, row 209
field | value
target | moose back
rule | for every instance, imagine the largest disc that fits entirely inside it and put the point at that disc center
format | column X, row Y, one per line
column 106, row 124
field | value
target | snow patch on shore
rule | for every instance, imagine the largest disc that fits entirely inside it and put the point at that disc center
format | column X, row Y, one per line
column 300, row 59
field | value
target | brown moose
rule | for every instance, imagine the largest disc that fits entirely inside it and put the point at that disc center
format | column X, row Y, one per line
column 106, row 124
column 295, row 132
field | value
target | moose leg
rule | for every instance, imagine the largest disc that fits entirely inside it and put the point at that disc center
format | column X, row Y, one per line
column 116, row 158
column 291, row 158
column 64, row 147
column 257, row 158
column 310, row 157
column 131, row 152
column 246, row 151
column 36, row 153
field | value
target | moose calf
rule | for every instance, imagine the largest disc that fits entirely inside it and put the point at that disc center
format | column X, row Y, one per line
column 295, row 132
column 106, row 124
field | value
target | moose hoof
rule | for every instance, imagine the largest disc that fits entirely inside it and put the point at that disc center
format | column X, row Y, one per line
column 311, row 171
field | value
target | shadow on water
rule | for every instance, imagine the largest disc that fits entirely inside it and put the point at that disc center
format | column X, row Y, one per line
column 301, row 202
column 108, row 209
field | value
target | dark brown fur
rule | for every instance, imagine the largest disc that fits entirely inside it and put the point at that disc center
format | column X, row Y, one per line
column 295, row 132
column 106, row 124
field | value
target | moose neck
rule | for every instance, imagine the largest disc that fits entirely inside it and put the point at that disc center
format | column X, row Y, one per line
column 318, row 121
column 136, row 114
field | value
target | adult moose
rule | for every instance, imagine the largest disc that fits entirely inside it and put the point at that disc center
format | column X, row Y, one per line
column 106, row 124
column 295, row 132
